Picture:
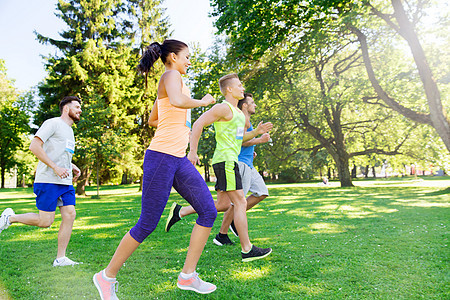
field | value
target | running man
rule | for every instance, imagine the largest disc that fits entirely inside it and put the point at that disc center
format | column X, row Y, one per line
column 54, row 145
column 229, row 123
column 251, row 179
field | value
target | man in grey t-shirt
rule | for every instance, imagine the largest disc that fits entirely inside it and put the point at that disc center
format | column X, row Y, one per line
column 54, row 145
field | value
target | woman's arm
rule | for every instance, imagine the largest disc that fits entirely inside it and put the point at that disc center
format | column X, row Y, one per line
column 153, row 118
column 172, row 83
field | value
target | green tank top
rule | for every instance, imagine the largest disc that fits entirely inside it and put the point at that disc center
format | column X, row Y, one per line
column 229, row 135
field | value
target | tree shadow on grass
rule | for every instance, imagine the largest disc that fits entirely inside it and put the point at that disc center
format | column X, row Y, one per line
column 360, row 243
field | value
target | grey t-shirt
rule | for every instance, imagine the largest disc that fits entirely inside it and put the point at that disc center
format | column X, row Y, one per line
column 59, row 144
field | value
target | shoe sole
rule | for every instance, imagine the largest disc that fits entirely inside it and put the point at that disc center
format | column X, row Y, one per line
column 98, row 287
column 217, row 242
column 188, row 288
column 7, row 211
column 66, row 265
column 172, row 208
column 233, row 231
column 256, row 257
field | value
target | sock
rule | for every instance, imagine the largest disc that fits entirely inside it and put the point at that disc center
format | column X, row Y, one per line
column 251, row 247
column 106, row 277
column 222, row 235
column 186, row 276
column 179, row 214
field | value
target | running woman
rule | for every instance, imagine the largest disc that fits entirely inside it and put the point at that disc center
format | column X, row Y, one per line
column 229, row 123
column 166, row 165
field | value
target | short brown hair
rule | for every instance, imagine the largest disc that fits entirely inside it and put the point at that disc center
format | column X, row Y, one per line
column 66, row 100
column 225, row 81
column 244, row 100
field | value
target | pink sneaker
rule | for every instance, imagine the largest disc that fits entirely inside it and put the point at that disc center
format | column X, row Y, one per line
column 195, row 284
column 106, row 288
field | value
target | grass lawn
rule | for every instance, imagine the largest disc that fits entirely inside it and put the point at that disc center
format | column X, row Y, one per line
column 384, row 239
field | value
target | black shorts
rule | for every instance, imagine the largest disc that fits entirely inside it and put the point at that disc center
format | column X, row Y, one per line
column 228, row 176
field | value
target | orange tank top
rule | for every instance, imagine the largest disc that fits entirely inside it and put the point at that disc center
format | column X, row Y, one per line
column 172, row 134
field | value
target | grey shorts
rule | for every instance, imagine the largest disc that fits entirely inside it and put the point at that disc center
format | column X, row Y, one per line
column 252, row 181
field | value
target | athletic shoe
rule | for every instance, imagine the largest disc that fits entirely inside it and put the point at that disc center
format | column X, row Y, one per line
column 256, row 253
column 106, row 288
column 64, row 261
column 174, row 216
column 195, row 284
column 221, row 241
column 4, row 219
column 233, row 229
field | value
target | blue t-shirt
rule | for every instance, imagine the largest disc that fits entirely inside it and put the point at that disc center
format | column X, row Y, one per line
column 246, row 155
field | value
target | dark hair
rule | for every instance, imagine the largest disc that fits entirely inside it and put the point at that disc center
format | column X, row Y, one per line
column 155, row 51
column 243, row 100
column 66, row 100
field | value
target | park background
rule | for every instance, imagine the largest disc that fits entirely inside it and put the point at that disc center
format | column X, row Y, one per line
column 356, row 90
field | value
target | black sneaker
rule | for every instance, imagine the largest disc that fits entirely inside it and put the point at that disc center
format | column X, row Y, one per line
column 256, row 253
column 221, row 241
column 174, row 216
column 233, row 229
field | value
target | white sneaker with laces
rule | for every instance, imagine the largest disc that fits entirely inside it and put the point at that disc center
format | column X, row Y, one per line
column 64, row 261
column 4, row 219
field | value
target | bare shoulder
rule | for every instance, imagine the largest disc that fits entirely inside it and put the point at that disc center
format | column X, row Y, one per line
column 223, row 111
column 171, row 76
column 170, row 81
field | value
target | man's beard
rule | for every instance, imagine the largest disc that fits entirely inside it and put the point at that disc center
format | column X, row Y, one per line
column 74, row 116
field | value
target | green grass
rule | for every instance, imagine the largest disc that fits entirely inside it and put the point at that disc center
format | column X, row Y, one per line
column 366, row 242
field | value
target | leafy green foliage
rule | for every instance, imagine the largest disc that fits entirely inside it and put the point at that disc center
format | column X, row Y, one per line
column 13, row 124
column 99, row 54
column 303, row 63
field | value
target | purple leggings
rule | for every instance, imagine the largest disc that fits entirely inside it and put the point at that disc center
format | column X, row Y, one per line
column 161, row 172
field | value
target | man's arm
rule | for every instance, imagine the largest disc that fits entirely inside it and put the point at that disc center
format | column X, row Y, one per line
column 262, row 128
column 256, row 141
column 216, row 113
column 36, row 148
column 76, row 172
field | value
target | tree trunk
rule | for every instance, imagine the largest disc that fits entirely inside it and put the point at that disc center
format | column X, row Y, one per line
column 23, row 181
column 374, row 173
column 82, row 181
column 367, row 172
column 97, row 179
column 124, row 179
column 207, row 175
column 3, row 178
column 343, row 171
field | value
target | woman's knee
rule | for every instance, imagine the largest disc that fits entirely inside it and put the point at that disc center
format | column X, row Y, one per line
column 140, row 233
column 207, row 217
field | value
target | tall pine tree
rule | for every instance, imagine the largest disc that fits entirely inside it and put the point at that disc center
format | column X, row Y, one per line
column 97, row 61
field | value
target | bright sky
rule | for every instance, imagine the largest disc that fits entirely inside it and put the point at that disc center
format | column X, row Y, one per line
column 22, row 52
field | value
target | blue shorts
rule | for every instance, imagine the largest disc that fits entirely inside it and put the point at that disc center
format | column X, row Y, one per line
column 50, row 195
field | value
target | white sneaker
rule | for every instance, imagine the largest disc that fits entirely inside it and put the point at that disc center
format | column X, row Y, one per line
column 64, row 261
column 4, row 219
